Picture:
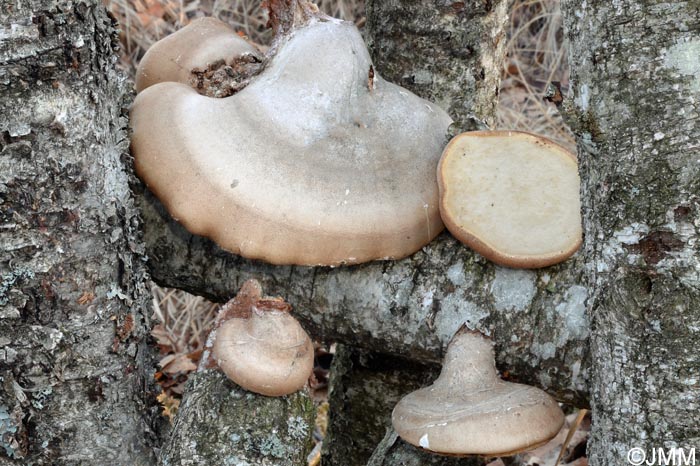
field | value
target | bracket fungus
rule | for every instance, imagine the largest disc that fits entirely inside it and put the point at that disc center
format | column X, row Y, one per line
column 317, row 161
column 469, row 410
column 260, row 346
column 511, row 196
column 195, row 48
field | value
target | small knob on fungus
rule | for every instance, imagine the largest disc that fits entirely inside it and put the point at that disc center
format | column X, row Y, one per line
column 468, row 410
column 260, row 346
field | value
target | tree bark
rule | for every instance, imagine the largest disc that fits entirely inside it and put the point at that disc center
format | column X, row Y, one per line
column 412, row 307
column 220, row 423
column 74, row 368
column 450, row 53
column 635, row 83
column 364, row 388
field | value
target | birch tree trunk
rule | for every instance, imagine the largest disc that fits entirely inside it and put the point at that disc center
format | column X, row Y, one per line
column 72, row 319
column 74, row 378
column 636, row 109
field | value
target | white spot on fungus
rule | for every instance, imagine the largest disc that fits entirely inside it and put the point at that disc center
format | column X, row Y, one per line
column 424, row 443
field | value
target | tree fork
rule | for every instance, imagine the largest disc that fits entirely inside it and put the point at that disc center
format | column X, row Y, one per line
column 412, row 307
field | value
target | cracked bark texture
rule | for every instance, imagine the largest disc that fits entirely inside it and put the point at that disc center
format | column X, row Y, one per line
column 636, row 110
column 219, row 423
column 74, row 385
column 412, row 307
column 448, row 52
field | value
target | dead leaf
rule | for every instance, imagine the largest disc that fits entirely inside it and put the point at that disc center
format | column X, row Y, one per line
column 86, row 297
column 170, row 405
column 174, row 363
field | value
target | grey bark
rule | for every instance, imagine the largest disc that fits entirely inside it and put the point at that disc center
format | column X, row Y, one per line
column 635, row 84
column 219, row 423
column 413, row 307
column 450, row 53
column 74, row 377
column 364, row 388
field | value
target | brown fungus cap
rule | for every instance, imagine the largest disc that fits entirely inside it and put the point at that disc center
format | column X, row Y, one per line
column 196, row 47
column 468, row 410
column 260, row 346
column 511, row 196
column 318, row 161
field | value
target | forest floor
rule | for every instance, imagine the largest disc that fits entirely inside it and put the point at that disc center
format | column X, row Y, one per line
column 536, row 58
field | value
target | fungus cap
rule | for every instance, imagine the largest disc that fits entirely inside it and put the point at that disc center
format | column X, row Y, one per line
column 265, row 351
column 511, row 196
column 201, row 43
column 468, row 410
column 318, row 161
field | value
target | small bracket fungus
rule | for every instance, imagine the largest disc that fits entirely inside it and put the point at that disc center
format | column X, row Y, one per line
column 195, row 48
column 511, row 196
column 468, row 410
column 260, row 346
column 317, row 161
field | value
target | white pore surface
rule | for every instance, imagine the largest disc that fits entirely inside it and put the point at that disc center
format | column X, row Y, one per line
column 516, row 194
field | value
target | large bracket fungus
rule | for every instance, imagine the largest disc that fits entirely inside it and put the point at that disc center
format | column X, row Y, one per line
column 468, row 410
column 318, row 161
column 511, row 196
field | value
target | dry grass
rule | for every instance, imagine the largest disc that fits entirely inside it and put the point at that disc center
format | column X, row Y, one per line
column 537, row 51
column 184, row 322
column 184, row 319
column 143, row 22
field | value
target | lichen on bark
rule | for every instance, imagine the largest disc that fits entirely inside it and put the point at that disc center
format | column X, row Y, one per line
column 220, row 423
